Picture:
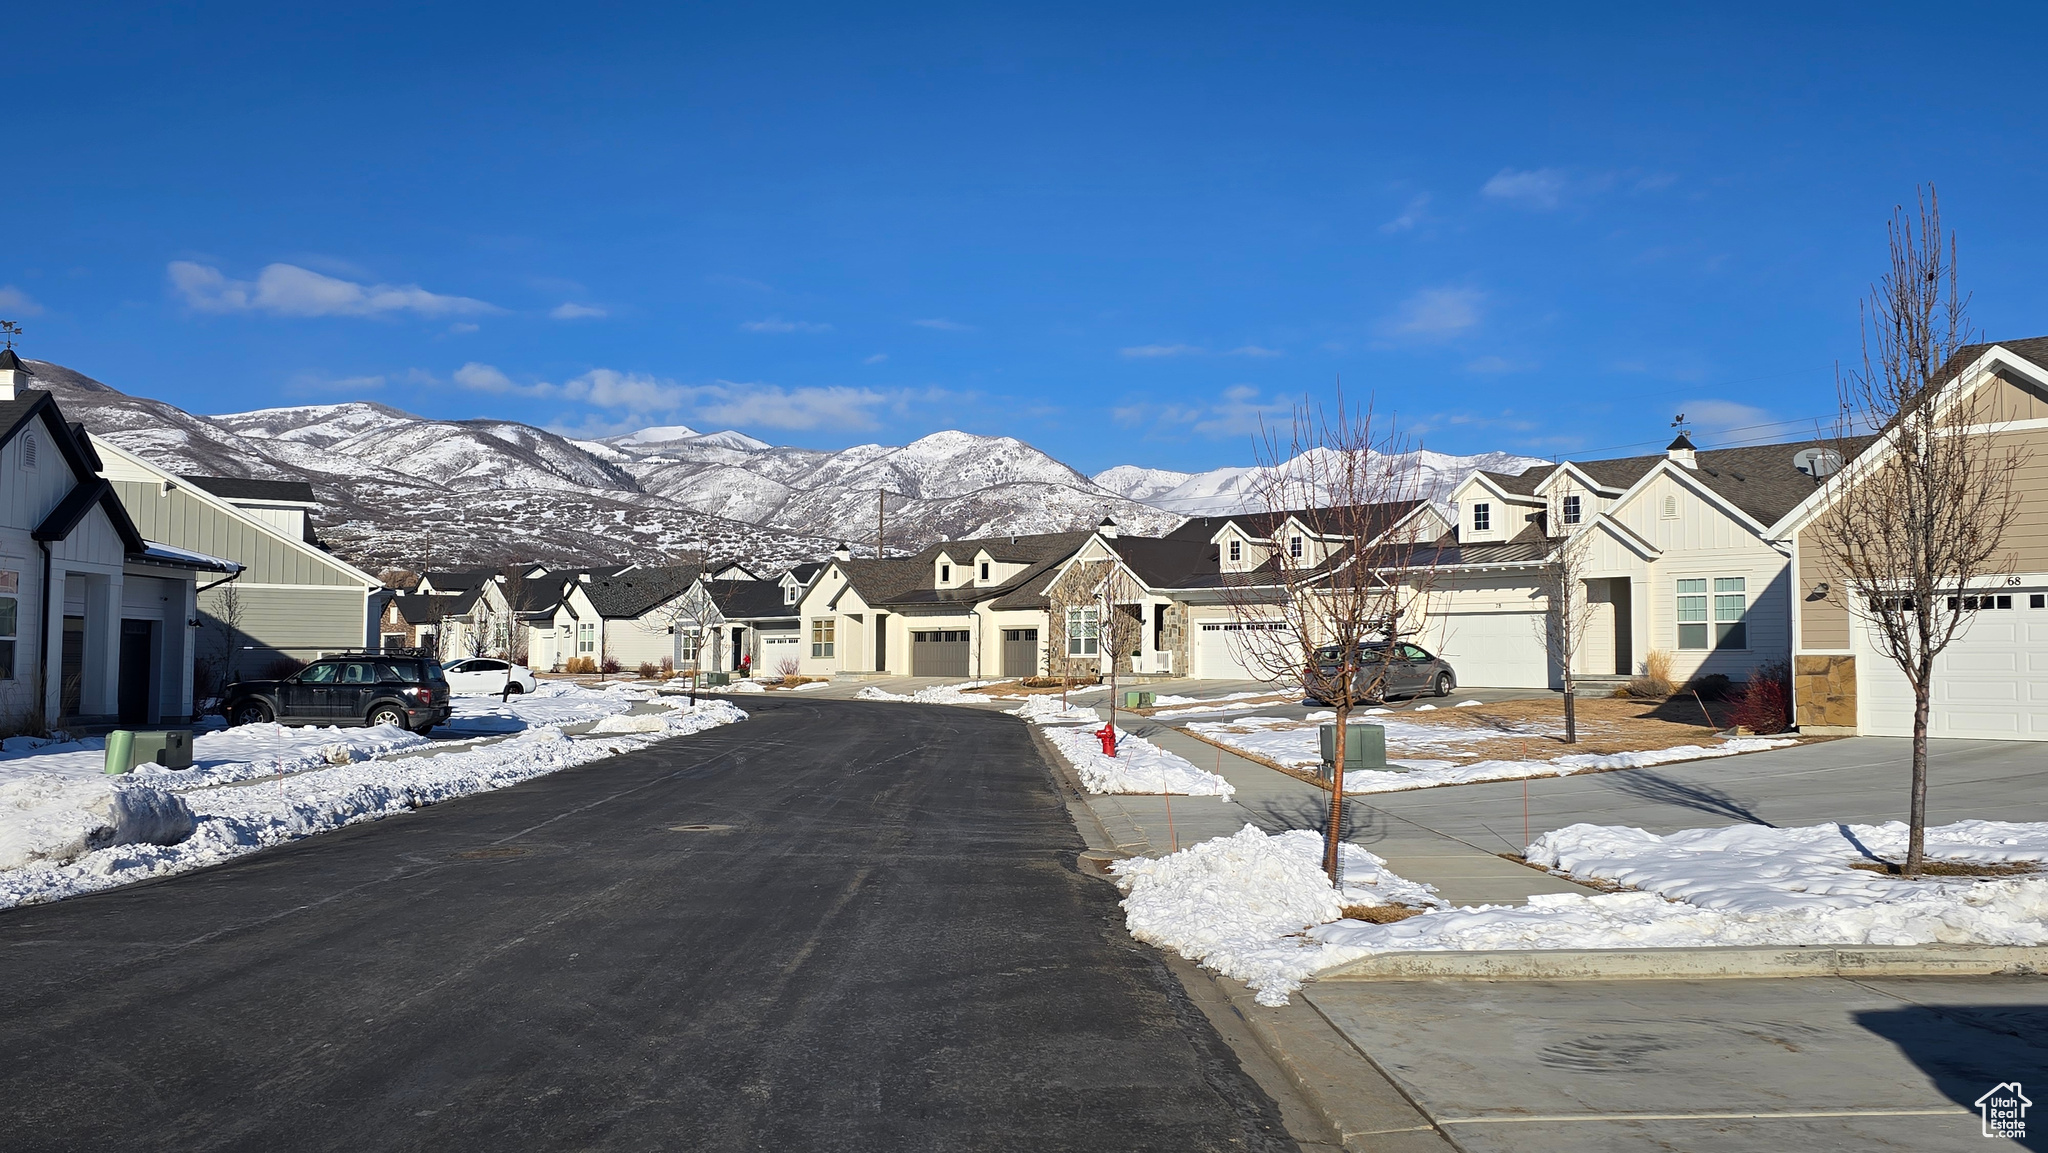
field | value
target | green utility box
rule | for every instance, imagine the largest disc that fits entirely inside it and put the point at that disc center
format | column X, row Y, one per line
column 127, row 748
column 1365, row 747
column 1137, row 700
column 718, row 680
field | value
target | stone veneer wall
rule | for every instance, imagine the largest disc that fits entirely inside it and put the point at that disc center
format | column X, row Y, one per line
column 1824, row 688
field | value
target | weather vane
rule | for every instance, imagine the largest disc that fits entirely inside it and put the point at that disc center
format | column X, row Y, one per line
column 1679, row 424
column 10, row 330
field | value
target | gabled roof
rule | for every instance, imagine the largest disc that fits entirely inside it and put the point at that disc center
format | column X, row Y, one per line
column 1167, row 562
column 881, row 582
column 1379, row 518
column 804, row 574
column 248, row 488
column 428, row 608
column 79, row 501
column 749, row 600
column 459, row 579
column 633, row 592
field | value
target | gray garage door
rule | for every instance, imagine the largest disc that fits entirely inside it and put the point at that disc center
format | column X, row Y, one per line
column 1020, row 652
column 938, row 653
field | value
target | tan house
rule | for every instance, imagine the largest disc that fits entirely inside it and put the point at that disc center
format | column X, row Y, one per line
column 1992, row 681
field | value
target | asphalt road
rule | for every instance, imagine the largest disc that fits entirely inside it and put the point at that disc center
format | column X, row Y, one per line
column 880, row 942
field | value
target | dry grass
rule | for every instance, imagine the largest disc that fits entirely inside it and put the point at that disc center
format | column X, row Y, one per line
column 1605, row 726
column 1953, row 868
column 1381, row 914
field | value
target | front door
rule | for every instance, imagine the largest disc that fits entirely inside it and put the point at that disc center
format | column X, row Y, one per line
column 71, row 692
column 137, row 639
column 882, row 644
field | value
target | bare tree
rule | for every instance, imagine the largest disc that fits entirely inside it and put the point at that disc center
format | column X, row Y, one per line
column 1920, row 521
column 513, row 583
column 228, row 611
column 1568, row 614
column 1324, row 598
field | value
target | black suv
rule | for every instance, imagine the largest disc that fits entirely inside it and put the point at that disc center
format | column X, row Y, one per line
column 365, row 689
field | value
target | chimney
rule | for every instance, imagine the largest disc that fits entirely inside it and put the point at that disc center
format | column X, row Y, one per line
column 13, row 377
column 1681, row 450
column 1107, row 529
column 842, row 552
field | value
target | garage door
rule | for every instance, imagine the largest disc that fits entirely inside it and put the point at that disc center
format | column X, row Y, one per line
column 1020, row 652
column 1991, row 683
column 938, row 653
column 1492, row 650
column 1222, row 654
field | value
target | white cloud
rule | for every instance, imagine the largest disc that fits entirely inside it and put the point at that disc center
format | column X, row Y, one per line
column 943, row 325
column 1435, row 313
column 772, row 406
column 876, row 358
column 1723, row 415
column 16, row 301
column 1536, row 187
column 1254, row 350
column 288, row 290
column 777, row 324
column 1144, row 351
column 639, row 399
column 1239, row 411
column 1410, row 216
column 570, row 310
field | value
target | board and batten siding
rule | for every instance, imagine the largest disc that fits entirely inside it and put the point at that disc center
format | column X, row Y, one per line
column 277, row 623
column 183, row 520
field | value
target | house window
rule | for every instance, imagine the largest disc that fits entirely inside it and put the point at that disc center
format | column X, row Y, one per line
column 945, row 573
column 1294, row 547
column 1726, row 629
column 1237, row 550
column 586, row 637
column 984, row 570
column 10, row 611
column 1973, row 604
column 789, row 594
column 821, row 637
column 686, row 645
column 1083, row 632
column 1670, row 508
column 1571, row 509
column 1482, row 516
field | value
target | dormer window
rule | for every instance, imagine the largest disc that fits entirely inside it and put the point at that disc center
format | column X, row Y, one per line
column 789, row 594
column 1482, row 516
column 984, row 570
column 1571, row 509
column 1237, row 550
column 945, row 573
column 1294, row 547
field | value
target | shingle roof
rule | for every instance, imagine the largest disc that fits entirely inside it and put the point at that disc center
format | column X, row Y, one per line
column 459, row 579
column 634, row 592
column 427, row 608
column 749, row 600
column 249, row 488
column 1166, row 562
column 1379, row 518
column 1523, row 483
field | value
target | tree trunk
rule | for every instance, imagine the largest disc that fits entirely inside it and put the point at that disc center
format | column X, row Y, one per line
column 1916, row 837
column 1335, row 835
column 1571, row 714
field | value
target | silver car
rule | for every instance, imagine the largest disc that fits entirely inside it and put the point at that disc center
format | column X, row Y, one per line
column 1384, row 672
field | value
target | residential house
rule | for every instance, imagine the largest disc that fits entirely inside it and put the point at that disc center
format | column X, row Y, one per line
column 416, row 620
column 1992, row 680
column 967, row 608
column 637, row 609
column 293, row 600
column 97, row 623
column 1684, row 559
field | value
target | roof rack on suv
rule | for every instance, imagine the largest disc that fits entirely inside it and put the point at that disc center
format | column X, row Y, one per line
column 337, row 654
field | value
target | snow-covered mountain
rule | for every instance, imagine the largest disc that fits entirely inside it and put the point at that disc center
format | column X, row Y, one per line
column 1227, row 490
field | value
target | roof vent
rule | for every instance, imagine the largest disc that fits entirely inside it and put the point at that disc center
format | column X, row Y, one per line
column 1818, row 463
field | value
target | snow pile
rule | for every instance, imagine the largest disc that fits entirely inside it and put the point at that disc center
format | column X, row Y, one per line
column 748, row 687
column 933, row 695
column 1138, row 767
column 1048, row 710
column 241, row 819
column 1747, row 885
column 553, row 703
column 679, row 721
column 46, row 817
column 218, row 757
column 1239, row 904
column 1289, row 743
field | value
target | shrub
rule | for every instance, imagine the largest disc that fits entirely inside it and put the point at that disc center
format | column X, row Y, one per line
column 1712, row 687
column 648, row 670
column 611, row 666
column 580, row 665
column 788, row 667
column 1655, row 681
column 1764, row 703
column 668, row 666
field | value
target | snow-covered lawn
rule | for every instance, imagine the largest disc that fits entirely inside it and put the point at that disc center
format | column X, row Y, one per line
column 553, row 703
column 1138, row 767
column 1256, row 907
column 1297, row 745
column 932, row 695
column 66, row 829
column 1050, row 710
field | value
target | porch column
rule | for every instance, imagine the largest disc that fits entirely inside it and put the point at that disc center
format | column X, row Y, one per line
column 50, row 659
column 101, row 693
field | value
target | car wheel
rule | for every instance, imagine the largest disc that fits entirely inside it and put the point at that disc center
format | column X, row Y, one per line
column 388, row 715
column 1443, row 684
column 250, row 713
column 514, row 689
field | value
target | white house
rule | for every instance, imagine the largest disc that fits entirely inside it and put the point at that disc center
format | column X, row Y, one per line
column 97, row 624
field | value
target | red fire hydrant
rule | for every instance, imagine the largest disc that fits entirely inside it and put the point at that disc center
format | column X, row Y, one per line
column 1108, row 735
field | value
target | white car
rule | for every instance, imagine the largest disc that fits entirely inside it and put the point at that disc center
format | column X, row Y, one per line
column 479, row 676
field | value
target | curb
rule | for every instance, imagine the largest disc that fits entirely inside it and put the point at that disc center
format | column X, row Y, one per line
column 1699, row 964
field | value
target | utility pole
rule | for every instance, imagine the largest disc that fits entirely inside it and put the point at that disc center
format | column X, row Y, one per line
column 881, row 511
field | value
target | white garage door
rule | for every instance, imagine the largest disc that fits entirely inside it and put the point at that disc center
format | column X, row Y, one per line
column 1222, row 654
column 1493, row 650
column 1991, row 683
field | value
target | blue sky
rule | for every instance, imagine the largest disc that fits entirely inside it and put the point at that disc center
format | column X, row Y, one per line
column 1120, row 234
